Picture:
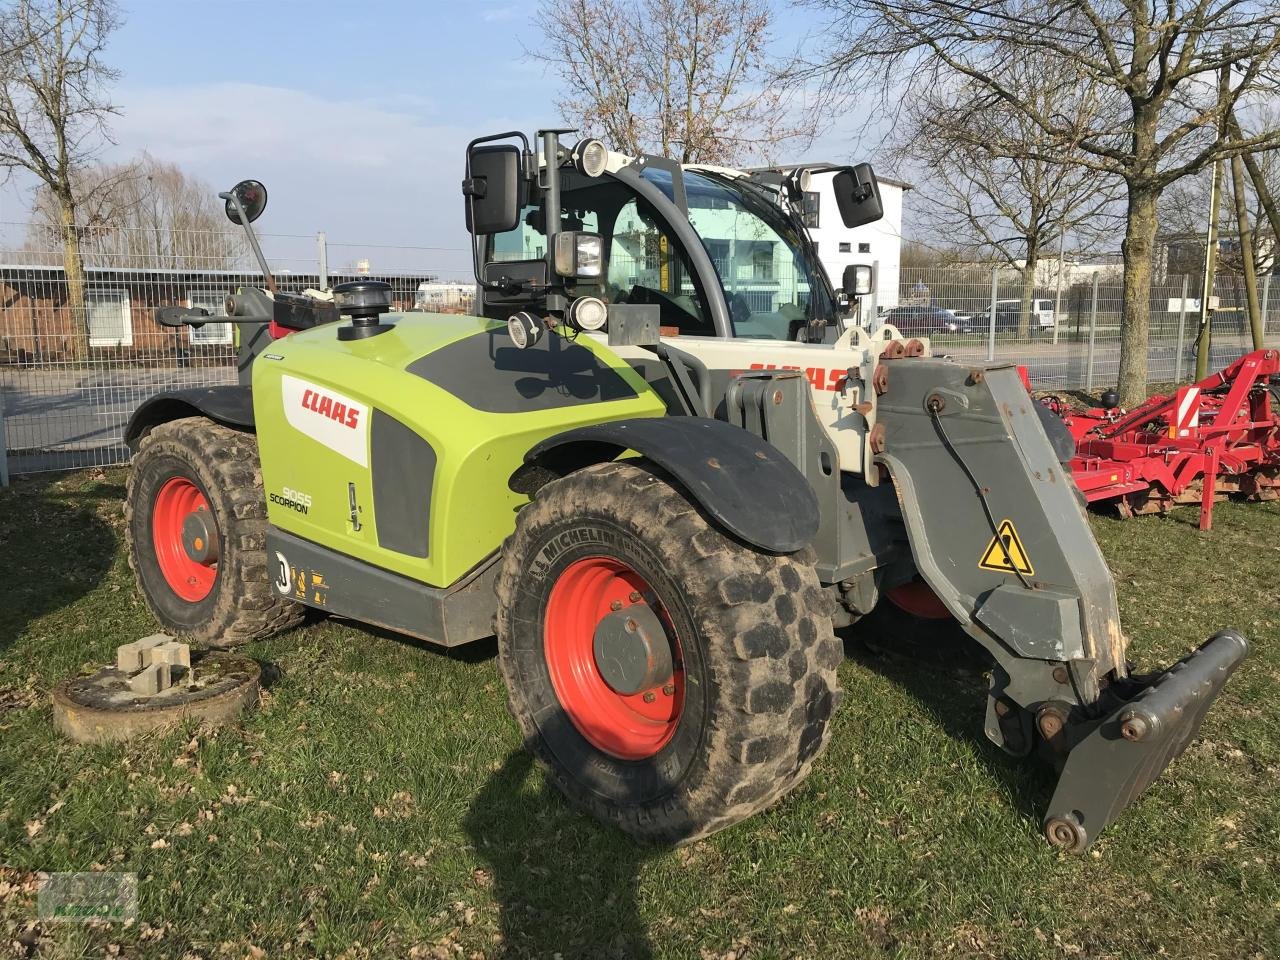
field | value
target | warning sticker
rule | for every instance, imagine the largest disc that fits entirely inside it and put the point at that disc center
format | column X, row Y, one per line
column 1005, row 553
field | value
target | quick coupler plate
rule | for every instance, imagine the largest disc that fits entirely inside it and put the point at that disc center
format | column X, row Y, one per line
column 1128, row 747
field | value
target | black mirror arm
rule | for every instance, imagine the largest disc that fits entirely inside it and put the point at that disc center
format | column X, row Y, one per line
column 862, row 189
column 198, row 317
column 234, row 198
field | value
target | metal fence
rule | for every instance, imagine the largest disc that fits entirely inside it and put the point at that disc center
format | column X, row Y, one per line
column 68, row 383
column 1072, row 338
column 70, row 379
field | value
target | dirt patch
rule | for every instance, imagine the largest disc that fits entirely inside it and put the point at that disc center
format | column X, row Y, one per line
column 16, row 698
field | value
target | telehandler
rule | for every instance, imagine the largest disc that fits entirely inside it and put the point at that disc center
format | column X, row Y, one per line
column 662, row 468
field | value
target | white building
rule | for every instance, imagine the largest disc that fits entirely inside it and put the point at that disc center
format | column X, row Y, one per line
column 878, row 244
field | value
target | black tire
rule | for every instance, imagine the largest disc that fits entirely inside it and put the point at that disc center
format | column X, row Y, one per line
column 759, row 654
column 223, row 464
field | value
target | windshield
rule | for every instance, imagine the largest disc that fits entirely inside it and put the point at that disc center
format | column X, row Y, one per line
column 771, row 283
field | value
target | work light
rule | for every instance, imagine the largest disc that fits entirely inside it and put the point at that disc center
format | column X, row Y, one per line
column 588, row 313
column 524, row 329
column 590, row 157
column 579, row 254
column 799, row 182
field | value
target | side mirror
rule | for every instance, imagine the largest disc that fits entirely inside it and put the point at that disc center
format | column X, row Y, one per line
column 253, row 199
column 494, row 189
column 858, row 280
column 858, row 195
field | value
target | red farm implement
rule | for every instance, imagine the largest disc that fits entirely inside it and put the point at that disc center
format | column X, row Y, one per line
column 1214, row 438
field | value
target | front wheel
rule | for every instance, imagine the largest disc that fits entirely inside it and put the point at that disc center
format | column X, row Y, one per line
column 197, row 527
column 672, row 680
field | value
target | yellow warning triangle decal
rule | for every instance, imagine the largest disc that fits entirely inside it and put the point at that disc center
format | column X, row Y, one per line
column 1009, row 558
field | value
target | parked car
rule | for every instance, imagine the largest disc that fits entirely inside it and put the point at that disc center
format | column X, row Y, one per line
column 922, row 321
column 1008, row 312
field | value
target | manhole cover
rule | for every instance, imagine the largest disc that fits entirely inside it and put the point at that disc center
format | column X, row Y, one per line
column 103, row 706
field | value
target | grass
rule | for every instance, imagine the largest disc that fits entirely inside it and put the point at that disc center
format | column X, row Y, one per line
column 378, row 804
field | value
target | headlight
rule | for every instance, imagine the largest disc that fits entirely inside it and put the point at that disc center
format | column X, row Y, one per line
column 588, row 313
column 524, row 329
column 579, row 254
column 590, row 157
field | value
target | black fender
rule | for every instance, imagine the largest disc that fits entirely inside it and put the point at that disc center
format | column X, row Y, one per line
column 745, row 485
column 230, row 405
column 1060, row 438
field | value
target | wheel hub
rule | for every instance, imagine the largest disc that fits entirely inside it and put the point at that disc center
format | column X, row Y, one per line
column 200, row 537
column 613, row 658
column 185, row 538
column 632, row 651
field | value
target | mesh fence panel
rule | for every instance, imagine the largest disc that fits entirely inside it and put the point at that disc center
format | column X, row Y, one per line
column 71, row 376
column 1072, row 336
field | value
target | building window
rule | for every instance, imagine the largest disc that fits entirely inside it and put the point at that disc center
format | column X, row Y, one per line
column 718, row 251
column 845, row 247
column 213, row 300
column 762, row 265
column 109, row 317
column 812, row 203
column 864, row 248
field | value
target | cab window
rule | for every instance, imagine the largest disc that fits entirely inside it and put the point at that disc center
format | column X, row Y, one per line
column 528, row 241
column 647, row 266
column 644, row 264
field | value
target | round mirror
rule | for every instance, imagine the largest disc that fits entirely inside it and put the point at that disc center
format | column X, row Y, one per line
column 253, row 198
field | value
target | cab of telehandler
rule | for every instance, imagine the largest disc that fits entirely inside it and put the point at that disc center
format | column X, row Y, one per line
column 718, row 252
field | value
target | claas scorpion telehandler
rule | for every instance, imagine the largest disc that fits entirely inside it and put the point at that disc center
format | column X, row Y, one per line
column 662, row 466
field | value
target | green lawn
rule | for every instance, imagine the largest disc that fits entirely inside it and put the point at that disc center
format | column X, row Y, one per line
column 378, row 804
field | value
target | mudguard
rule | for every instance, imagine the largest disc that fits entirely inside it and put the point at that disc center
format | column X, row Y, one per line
column 746, row 485
column 230, row 405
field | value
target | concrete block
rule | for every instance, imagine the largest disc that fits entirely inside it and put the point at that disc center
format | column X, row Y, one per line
column 129, row 656
column 171, row 652
column 151, row 680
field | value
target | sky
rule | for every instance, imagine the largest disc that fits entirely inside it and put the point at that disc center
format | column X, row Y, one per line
column 354, row 115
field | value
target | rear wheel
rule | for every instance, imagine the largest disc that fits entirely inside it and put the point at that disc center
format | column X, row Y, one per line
column 911, row 621
column 673, row 680
column 197, row 521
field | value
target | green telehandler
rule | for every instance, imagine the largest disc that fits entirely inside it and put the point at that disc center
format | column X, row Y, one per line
column 662, row 465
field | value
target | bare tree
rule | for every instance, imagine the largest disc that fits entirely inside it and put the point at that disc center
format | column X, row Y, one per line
column 1155, row 66
column 988, row 182
column 688, row 79
column 53, row 106
column 1264, row 177
column 147, row 213
column 1184, row 211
